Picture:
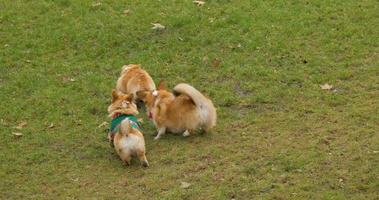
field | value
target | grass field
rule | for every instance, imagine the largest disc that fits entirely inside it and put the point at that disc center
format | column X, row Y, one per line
column 279, row 135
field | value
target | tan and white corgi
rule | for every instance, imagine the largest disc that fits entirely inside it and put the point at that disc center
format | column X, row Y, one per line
column 124, row 131
column 133, row 79
column 186, row 111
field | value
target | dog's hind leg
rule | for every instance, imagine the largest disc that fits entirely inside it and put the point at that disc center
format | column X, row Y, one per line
column 142, row 157
column 126, row 157
column 161, row 131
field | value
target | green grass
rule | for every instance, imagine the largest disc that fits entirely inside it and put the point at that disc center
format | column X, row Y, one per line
column 279, row 136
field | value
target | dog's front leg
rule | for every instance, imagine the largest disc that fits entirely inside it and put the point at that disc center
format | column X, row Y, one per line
column 186, row 133
column 161, row 131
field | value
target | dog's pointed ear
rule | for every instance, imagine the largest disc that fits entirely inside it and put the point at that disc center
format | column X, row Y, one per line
column 141, row 94
column 114, row 95
column 162, row 85
column 130, row 97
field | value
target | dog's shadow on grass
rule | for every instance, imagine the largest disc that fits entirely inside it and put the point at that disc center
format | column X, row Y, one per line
column 177, row 137
column 169, row 140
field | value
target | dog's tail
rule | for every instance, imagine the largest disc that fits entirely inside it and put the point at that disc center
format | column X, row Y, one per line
column 208, row 114
column 125, row 127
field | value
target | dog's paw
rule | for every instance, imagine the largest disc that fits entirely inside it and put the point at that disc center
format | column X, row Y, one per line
column 145, row 163
column 157, row 137
column 186, row 133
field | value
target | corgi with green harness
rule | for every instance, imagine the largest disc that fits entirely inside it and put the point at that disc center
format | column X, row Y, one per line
column 125, row 131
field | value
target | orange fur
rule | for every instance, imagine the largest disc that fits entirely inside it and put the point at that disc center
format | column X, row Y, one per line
column 186, row 112
column 118, row 104
column 127, row 141
column 133, row 79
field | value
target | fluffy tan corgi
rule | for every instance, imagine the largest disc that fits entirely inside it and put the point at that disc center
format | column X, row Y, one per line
column 124, row 131
column 133, row 79
column 186, row 111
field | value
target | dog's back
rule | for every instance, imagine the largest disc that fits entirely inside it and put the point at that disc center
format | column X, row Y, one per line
column 133, row 79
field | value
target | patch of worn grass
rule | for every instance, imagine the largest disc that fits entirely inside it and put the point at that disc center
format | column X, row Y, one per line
column 278, row 134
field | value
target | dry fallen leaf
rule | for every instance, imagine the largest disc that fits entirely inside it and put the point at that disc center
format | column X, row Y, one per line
column 102, row 124
column 75, row 179
column 17, row 134
column 67, row 79
column 79, row 122
column 199, row 3
column 21, row 125
column 126, row 12
column 157, row 26
column 96, row 4
column 51, row 125
column 216, row 62
column 326, row 86
column 185, row 185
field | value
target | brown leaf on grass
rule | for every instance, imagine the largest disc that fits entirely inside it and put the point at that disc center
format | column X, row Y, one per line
column 157, row 26
column 51, row 125
column 326, row 87
column 75, row 179
column 102, row 124
column 79, row 122
column 96, row 4
column 126, row 12
column 17, row 134
column 199, row 3
column 21, row 125
column 216, row 62
column 67, row 79
column 185, row 185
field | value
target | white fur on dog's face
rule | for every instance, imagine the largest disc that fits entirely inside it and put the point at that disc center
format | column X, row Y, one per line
column 125, row 104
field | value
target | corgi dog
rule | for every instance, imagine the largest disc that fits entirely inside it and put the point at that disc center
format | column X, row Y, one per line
column 133, row 79
column 183, row 111
column 127, row 139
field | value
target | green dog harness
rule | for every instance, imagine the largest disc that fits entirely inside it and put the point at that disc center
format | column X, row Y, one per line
column 115, row 124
